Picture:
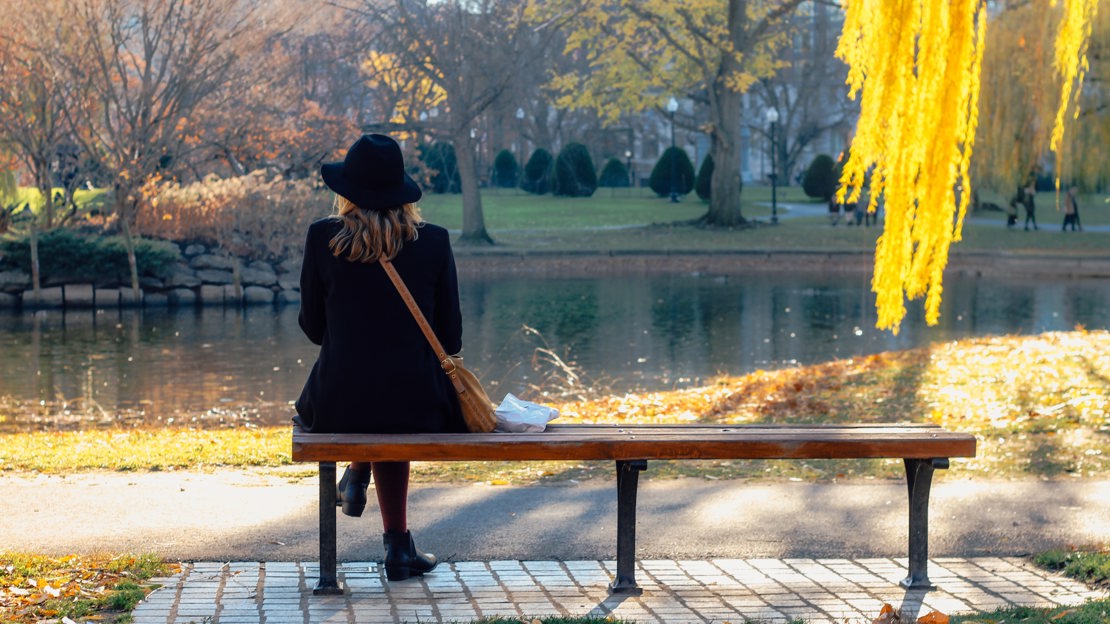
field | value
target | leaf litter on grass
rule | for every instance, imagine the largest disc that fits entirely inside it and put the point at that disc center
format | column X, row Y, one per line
column 1039, row 406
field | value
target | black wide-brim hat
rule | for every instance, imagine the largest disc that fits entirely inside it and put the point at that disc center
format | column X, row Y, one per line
column 372, row 175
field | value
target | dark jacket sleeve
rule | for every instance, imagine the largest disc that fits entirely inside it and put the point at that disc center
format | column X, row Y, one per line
column 448, row 320
column 313, row 290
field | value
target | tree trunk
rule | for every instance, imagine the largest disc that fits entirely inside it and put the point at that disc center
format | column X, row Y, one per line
column 47, row 191
column 36, row 280
column 129, row 243
column 474, row 223
column 724, row 196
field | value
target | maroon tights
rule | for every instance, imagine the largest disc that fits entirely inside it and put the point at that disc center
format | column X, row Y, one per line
column 391, row 483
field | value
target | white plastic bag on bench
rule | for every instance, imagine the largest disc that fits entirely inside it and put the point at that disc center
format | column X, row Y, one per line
column 518, row 416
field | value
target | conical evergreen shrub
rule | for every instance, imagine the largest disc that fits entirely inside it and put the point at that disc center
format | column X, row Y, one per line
column 705, row 178
column 660, row 180
column 506, row 169
column 538, row 172
column 575, row 175
column 614, row 174
column 820, row 178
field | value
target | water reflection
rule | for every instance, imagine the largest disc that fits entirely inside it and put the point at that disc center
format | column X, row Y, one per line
column 637, row 332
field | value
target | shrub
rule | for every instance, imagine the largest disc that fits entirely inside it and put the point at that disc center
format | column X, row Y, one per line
column 64, row 255
column 537, row 173
column 575, row 175
column 443, row 168
column 506, row 170
column 614, row 174
column 704, row 182
column 660, row 180
column 820, row 178
column 254, row 216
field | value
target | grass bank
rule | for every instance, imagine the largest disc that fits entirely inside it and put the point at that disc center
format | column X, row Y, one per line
column 101, row 588
column 635, row 219
column 1051, row 423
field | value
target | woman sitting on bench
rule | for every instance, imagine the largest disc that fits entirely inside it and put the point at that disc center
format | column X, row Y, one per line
column 375, row 372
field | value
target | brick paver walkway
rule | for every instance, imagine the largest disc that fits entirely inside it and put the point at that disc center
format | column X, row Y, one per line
column 717, row 590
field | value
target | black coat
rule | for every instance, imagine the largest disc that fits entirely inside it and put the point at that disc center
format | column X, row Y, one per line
column 376, row 372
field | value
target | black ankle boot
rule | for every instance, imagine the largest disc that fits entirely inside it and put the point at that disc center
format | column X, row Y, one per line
column 351, row 492
column 402, row 559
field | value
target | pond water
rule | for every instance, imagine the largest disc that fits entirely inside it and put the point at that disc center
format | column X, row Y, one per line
column 622, row 333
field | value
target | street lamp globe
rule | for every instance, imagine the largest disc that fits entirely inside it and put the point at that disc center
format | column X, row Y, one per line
column 672, row 107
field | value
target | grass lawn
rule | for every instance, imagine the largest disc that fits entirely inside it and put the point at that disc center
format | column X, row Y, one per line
column 1054, row 424
column 635, row 219
column 85, row 198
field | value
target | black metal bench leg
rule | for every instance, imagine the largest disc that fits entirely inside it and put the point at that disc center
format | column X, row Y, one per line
column 329, row 582
column 919, row 479
column 628, row 478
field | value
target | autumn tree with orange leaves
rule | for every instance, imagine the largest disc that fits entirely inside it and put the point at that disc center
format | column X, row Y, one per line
column 144, row 68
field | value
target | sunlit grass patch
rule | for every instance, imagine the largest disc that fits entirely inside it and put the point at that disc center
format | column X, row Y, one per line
column 103, row 588
column 1091, row 567
column 145, row 449
column 1039, row 406
column 1092, row 612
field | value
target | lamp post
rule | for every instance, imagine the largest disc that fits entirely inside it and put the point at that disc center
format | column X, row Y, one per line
column 672, row 107
column 628, row 168
column 772, row 116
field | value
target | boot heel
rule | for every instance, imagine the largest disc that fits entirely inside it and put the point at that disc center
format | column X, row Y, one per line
column 351, row 492
column 397, row 573
column 353, row 509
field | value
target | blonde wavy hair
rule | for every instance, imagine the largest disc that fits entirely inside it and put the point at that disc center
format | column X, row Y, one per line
column 368, row 235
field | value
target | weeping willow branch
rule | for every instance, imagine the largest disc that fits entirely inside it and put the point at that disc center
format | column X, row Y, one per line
column 1071, row 63
column 915, row 64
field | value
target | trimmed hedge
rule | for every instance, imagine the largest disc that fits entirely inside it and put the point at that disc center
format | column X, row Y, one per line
column 64, row 254
column 575, row 175
column 820, row 178
column 704, row 183
column 614, row 174
column 660, row 181
column 506, row 170
column 538, row 172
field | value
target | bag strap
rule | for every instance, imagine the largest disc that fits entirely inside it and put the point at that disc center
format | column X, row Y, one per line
column 444, row 360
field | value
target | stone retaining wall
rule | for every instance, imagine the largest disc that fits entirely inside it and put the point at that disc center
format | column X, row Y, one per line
column 200, row 278
column 207, row 278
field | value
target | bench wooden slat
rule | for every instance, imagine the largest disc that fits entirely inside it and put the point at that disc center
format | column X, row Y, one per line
column 614, row 442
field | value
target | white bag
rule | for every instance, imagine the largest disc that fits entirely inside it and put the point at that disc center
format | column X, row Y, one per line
column 517, row 416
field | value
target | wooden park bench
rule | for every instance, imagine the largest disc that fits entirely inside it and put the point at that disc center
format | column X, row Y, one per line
column 923, row 448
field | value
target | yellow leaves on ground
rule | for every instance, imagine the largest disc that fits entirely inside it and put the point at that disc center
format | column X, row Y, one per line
column 890, row 615
column 35, row 587
column 1039, row 404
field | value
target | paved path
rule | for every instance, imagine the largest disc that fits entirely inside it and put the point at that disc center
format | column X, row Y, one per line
column 710, row 551
column 244, row 515
column 675, row 591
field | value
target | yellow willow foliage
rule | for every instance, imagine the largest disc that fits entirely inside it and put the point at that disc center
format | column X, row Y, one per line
column 919, row 61
column 1071, row 63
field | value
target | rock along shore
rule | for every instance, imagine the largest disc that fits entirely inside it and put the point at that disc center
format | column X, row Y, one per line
column 205, row 278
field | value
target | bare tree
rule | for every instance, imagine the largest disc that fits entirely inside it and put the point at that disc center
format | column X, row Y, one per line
column 809, row 93
column 472, row 52
column 140, row 69
column 32, row 102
